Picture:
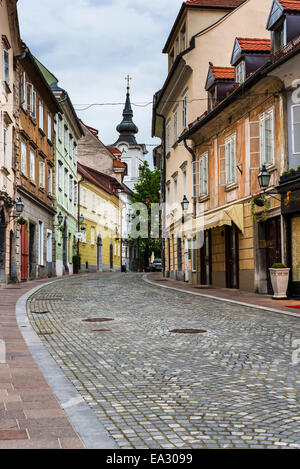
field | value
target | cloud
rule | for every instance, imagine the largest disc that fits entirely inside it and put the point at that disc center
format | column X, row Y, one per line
column 91, row 45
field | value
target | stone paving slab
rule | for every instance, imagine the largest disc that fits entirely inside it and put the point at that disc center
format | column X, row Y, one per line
column 234, row 386
column 23, row 386
column 251, row 299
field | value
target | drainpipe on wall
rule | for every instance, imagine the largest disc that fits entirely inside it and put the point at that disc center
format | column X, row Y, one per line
column 163, row 189
column 78, row 211
column 191, row 151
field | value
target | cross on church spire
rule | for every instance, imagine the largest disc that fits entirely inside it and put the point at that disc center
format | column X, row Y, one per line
column 128, row 79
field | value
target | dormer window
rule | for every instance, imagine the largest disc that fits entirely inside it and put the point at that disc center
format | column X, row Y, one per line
column 240, row 72
column 212, row 98
column 279, row 36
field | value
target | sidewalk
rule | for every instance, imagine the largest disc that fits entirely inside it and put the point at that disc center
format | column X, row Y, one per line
column 30, row 415
column 251, row 299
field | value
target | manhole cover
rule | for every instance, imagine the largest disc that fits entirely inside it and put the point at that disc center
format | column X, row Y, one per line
column 188, row 331
column 97, row 320
column 101, row 330
column 40, row 312
column 47, row 299
column 45, row 333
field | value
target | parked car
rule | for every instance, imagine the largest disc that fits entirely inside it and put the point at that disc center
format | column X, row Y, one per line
column 156, row 265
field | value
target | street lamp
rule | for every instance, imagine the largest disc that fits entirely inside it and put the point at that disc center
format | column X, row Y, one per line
column 185, row 206
column 81, row 219
column 264, row 178
column 60, row 219
column 19, row 206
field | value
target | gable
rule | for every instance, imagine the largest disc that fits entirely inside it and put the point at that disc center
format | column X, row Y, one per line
column 236, row 54
column 275, row 14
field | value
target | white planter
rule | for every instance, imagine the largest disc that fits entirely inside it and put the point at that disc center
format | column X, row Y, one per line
column 280, row 281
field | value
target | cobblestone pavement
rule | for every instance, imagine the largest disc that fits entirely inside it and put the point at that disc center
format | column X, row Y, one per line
column 232, row 387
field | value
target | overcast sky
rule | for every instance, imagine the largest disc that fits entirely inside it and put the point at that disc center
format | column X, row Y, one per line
column 91, row 45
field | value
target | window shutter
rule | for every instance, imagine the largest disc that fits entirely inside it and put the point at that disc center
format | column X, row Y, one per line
column 296, row 128
column 222, row 165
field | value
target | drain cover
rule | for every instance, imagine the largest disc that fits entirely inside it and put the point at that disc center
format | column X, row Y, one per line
column 101, row 330
column 47, row 299
column 162, row 280
column 45, row 333
column 97, row 320
column 188, row 331
column 40, row 312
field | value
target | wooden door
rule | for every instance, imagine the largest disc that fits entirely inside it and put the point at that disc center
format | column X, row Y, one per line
column 273, row 246
column 24, row 253
column 232, row 256
column 206, row 260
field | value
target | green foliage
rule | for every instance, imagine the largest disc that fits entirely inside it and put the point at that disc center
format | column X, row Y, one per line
column 76, row 264
column 147, row 192
column 278, row 265
column 259, row 198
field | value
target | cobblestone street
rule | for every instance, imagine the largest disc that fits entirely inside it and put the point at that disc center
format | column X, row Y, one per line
column 233, row 386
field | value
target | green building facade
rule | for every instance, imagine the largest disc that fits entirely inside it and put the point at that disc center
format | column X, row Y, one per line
column 68, row 131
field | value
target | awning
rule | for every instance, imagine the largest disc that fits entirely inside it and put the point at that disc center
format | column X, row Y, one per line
column 227, row 216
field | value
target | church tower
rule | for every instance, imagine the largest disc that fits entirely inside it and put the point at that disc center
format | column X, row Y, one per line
column 133, row 153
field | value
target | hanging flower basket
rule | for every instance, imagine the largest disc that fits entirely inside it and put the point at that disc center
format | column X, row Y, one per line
column 21, row 221
column 259, row 200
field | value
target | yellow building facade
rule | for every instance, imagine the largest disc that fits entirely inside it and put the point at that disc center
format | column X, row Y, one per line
column 99, row 220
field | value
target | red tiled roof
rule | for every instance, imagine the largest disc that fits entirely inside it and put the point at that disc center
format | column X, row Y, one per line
column 254, row 44
column 223, row 73
column 290, row 5
column 119, row 164
column 105, row 182
column 115, row 150
column 215, row 3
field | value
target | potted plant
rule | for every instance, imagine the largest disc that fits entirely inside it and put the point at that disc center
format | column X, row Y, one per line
column 21, row 221
column 280, row 280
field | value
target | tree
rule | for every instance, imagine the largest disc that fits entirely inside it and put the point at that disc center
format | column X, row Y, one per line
column 147, row 192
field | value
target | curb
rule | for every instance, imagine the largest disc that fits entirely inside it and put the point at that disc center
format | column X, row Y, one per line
column 89, row 428
column 217, row 298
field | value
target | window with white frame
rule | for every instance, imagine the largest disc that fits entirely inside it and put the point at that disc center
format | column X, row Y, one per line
column 175, row 122
column 296, row 128
column 50, row 181
column 49, row 128
column 5, row 147
column 185, row 110
column 98, row 205
column 92, row 236
column 71, row 188
column 75, row 193
column 168, row 136
column 41, row 115
column 75, row 152
column 60, row 175
column 184, row 183
column 175, row 191
column 60, row 124
column 66, row 140
column 41, row 243
column 240, row 72
column 266, row 125
column 42, row 174
column 203, row 174
column 66, row 182
column 24, row 158
column 230, row 159
column 32, row 101
column 84, row 197
column 94, row 203
column 6, row 74
column 23, row 91
column 32, row 165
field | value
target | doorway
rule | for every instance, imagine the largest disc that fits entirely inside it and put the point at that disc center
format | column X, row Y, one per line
column 232, row 256
column 273, row 247
column 206, row 260
column 111, row 256
column 24, row 253
column 99, row 254
column 3, row 227
column 186, row 260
